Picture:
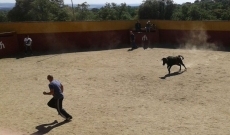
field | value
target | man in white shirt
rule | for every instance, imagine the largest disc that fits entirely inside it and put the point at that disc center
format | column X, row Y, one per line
column 2, row 46
column 28, row 44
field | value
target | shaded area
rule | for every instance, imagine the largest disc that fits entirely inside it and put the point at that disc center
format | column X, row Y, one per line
column 172, row 74
column 164, row 46
column 55, row 52
column 45, row 128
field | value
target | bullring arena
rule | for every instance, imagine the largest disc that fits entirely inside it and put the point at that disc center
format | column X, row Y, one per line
column 118, row 92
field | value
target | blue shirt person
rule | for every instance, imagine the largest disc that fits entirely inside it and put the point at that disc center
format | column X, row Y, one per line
column 56, row 89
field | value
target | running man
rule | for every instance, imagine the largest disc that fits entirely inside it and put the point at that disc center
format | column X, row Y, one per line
column 56, row 89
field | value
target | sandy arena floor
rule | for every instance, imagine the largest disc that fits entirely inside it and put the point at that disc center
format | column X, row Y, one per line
column 118, row 92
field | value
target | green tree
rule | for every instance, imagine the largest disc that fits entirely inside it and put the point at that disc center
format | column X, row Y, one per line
column 59, row 2
column 20, row 11
column 38, row 10
column 3, row 16
column 226, row 15
column 133, row 11
column 185, row 11
column 169, row 9
column 82, row 11
column 156, row 9
column 112, row 11
column 149, row 10
column 108, row 12
column 194, row 13
column 177, row 14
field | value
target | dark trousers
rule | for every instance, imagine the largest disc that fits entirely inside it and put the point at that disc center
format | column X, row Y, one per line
column 134, row 46
column 138, row 29
column 28, row 49
column 145, row 44
column 148, row 29
column 57, row 104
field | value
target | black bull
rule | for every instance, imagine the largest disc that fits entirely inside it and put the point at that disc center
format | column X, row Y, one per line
column 173, row 60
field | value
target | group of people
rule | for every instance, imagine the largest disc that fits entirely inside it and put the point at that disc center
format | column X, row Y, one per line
column 134, row 45
column 148, row 26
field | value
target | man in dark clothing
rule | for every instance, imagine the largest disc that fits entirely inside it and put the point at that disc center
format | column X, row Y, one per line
column 138, row 26
column 56, row 89
column 132, row 40
column 148, row 26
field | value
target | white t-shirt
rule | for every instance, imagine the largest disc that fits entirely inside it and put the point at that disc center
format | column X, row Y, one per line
column 28, row 41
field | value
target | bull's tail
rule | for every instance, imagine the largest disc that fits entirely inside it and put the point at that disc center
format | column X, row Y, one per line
column 180, row 56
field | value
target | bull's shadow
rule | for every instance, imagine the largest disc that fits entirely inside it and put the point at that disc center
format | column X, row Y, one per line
column 173, row 74
column 45, row 128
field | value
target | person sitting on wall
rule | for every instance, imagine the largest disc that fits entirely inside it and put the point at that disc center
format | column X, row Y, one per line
column 154, row 26
column 148, row 26
column 138, row 26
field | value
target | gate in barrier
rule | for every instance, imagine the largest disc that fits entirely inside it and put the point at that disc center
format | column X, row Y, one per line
column 8, row 44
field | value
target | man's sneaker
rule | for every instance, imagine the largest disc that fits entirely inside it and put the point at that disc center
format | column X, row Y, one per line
column 55, row 122
column 68, row 119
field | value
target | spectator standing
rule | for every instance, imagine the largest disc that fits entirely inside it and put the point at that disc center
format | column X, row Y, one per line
column 28, row 45
column 132, row 40
column 148, row 26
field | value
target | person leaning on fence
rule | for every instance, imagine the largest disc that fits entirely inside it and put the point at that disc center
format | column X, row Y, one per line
column 132, row 40
column 28, row 45
column 148, row 26
column 138, row 26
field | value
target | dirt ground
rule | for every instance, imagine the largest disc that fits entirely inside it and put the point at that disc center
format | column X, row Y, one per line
column 118, row 92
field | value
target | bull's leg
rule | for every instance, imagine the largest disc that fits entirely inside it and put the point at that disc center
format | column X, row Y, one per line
column 180, row 67
column 183, row 65
column 169, row 69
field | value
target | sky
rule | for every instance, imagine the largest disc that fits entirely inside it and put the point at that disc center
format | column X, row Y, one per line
column 104, row 1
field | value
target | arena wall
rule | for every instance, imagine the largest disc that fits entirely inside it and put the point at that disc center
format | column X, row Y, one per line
column 8, row 44
column 77, row 36
column 216, row 33
column 71, row 36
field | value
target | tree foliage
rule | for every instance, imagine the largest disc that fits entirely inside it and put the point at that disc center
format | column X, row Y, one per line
column 3, row 16
column 83, row 12
column 38, row 10
column 155, row 9
column 203, row 10
column 56, row 10
column 112, row 11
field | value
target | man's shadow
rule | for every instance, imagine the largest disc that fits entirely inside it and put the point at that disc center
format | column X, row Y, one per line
column 132, row 49
column 172, row 74
column 45, row 128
